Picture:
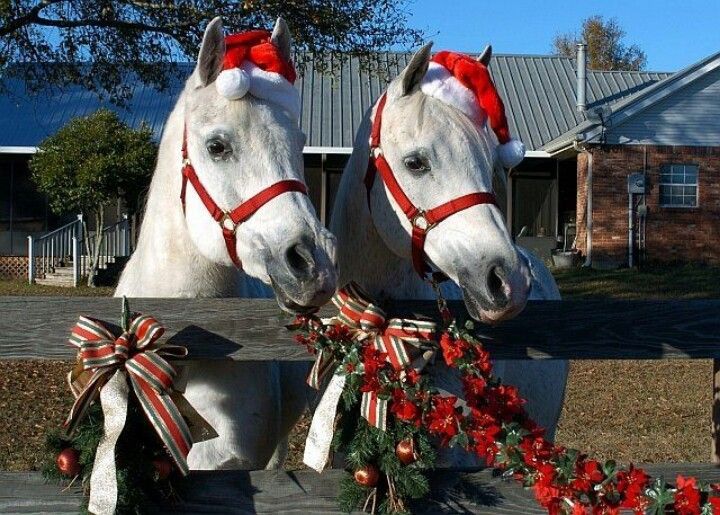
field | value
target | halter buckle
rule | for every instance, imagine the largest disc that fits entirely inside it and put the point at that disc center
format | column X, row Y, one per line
column 227, row 223
column 421, row 222
column 186, row 162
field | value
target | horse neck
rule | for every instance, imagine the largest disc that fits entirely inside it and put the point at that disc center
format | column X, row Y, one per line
column 363, row 257
column 166, row 262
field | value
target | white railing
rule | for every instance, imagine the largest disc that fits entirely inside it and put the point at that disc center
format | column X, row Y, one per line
column 52, row 249
column 115, row 243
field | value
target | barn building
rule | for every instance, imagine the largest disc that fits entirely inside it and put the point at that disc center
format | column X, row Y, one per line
column 587, row 133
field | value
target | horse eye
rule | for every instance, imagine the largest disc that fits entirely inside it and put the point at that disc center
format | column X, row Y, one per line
column 217, row 148
column 416, row 163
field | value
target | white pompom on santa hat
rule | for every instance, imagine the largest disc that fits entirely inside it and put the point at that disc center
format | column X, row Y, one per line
column 253, row 64
column 465, row 83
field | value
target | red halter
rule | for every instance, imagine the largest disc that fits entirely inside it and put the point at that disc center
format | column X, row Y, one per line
column 422, row 221
column 229, row 221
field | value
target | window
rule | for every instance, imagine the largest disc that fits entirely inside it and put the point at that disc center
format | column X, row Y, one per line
column 679, row 186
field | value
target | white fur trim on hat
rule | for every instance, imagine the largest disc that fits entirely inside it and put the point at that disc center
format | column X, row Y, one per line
column 274, row 88
column 441, row 84
column 233, row 83
column 511, row 153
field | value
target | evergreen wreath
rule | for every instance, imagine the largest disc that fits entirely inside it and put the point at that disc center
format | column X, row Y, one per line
column 493, row 424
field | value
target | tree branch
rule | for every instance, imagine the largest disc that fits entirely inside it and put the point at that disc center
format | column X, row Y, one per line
column 26, row 19
column 117, row 24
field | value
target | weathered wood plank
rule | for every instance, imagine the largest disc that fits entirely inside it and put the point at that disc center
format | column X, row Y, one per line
column 307, row 492
column 252, row 329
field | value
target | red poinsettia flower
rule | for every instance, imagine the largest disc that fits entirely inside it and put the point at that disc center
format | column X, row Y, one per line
column 588, row 473
column 715, row 505
column 631, row 484
column 536, row 450
column 339, row 333
column 482, row 360
column 404, row 408
column 474, row 389
column 443, row 419
column 452, row 349
column 687, row 497
column 504, row 401
column 412, row 376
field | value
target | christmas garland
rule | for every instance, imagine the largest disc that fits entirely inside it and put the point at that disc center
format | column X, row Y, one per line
column 410, row 417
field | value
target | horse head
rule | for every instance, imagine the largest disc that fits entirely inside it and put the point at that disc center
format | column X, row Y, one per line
column 440, row 155
column 243, row 184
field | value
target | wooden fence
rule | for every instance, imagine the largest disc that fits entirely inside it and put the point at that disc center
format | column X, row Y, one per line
column 247, row 330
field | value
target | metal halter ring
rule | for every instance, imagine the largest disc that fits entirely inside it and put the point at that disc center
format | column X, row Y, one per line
column 421, row 222
column 227, row 223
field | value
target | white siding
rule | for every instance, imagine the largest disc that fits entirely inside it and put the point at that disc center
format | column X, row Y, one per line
column 688, row 117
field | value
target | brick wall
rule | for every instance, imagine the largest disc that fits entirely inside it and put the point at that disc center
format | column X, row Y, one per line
column 673, row 234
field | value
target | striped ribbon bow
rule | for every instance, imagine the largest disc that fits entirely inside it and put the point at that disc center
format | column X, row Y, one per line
column 391, row 337
column 110, row 361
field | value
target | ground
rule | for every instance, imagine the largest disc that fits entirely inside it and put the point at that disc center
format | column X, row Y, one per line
column 639, row 411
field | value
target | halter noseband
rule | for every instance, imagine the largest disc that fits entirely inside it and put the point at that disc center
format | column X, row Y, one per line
column 422, row 221
column 229, row 221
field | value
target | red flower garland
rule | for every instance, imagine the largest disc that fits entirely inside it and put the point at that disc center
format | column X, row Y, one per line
column 496, row 427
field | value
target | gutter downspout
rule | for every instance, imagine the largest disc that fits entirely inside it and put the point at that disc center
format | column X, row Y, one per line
column 588, row 207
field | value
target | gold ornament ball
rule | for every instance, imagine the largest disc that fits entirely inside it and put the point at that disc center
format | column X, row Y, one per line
column 367, row 476
column 68, row 462
column 405, row 451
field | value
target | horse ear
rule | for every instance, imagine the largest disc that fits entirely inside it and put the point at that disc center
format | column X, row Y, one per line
column 416, row 69
column 212, row 52
column 282, row 39
column 486, row 55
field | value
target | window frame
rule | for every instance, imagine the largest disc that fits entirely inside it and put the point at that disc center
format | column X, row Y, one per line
column 667, row 169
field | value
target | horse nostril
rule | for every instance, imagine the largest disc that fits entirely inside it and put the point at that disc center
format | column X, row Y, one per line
column 300, row 259
column 497, row 287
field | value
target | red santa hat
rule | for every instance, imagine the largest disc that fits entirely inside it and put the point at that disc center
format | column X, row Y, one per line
column 465, row 83
column 253, row 64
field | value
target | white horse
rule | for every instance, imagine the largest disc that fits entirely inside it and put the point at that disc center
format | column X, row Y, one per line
column 437, row 154
column 237, row 148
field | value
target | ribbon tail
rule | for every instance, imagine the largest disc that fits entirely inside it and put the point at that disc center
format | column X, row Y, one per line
column 85, row 399
column 374, row 410
column 166, row 420
column 103, row 482
column 319, row 438
column 323, row 364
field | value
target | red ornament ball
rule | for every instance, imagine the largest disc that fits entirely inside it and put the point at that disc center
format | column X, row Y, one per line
column 367, row 476
column 68, row 462
column 405, row 451
column 163, row 467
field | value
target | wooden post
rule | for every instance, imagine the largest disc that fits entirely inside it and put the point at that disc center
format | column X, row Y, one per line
column 715, row 454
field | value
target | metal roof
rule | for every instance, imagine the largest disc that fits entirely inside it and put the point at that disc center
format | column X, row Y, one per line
column 539, row 94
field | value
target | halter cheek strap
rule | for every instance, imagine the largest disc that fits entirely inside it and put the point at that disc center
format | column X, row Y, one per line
column 422, row 221
column 229, row 221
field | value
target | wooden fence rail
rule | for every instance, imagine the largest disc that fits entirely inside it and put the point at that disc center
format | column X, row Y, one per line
column 246, row 330
column 253, row 329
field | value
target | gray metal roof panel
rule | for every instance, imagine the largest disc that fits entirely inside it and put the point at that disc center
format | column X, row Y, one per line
column 539, row 94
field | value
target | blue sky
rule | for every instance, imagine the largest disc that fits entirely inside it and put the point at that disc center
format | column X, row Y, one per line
column 673, row 34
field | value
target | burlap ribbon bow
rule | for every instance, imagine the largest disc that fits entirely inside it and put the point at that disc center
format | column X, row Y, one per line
column 106, row 363
column 405, row 342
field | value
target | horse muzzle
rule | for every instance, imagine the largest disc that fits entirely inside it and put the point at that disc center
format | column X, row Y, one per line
column 305, row 275
column 500, row 294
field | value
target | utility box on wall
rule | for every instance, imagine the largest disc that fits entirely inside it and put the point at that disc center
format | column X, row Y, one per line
column 637, row 183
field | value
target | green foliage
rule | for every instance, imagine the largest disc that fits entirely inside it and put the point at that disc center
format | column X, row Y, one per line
column 91, row 43
column 92, row 161
column 606, row 50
